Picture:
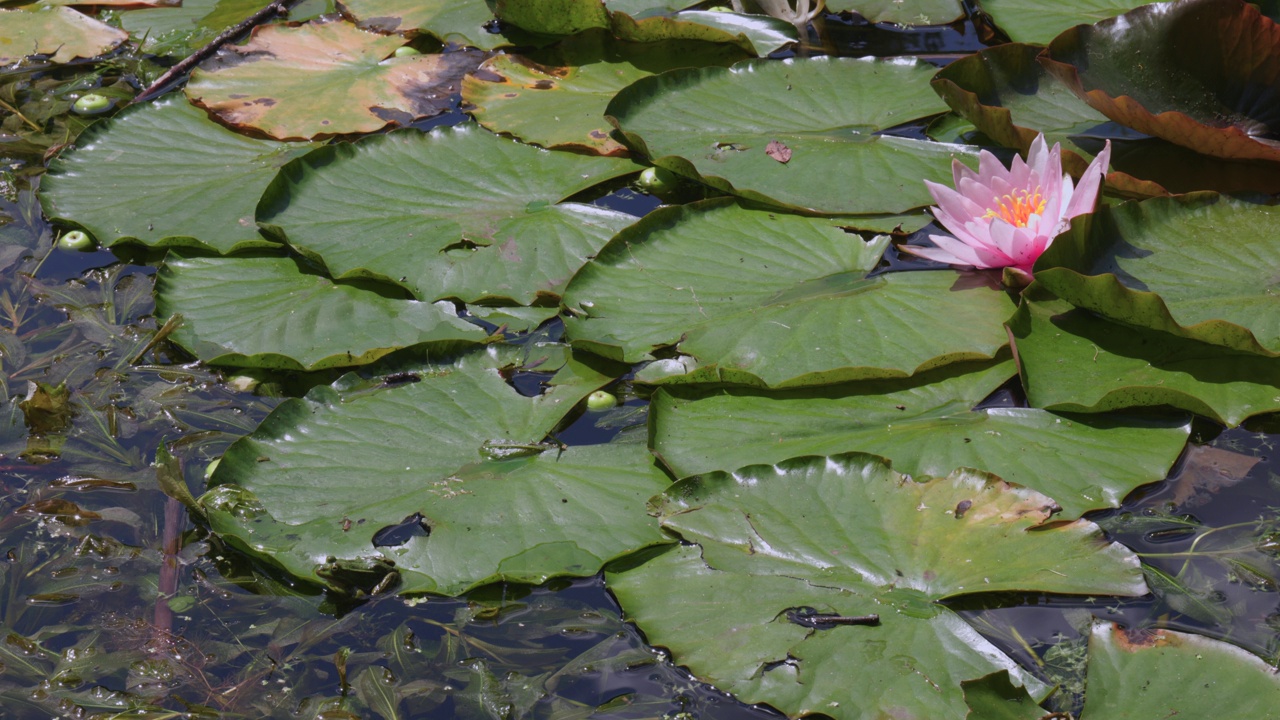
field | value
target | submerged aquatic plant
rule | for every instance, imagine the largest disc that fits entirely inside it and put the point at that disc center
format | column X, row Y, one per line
column 796, row 12
column 1006, row 217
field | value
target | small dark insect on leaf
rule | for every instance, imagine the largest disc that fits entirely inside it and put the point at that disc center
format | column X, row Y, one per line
column 400, row 378
column 962, row 507
column 778, row 151
column 901, row 407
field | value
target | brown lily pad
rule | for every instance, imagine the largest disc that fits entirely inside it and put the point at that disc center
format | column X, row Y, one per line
column 1204, row 74
column 325, row 78
column 59, row 32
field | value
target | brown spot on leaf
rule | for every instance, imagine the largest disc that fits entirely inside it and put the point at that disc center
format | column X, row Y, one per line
column 962, row 507
column 510, row 95
column 599, row 134
column 778, row 151
column 265, row 102
column 543, row 85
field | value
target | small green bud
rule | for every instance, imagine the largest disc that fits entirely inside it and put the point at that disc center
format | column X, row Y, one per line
column 210, row 468
column 601, row 400
column 719, row 8
column 75, row 240
column 405, row 51
column 658, row 181
column 91, row 104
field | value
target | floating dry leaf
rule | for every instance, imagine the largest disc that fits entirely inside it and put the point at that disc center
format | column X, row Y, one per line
column 325, row 78
column 1207, row 471
column 778, row 151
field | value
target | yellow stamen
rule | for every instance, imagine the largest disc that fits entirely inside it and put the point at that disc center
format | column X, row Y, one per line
column 1017, row 208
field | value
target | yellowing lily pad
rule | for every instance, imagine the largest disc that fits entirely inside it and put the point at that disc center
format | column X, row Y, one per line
column 59, row 32
column 325, row 78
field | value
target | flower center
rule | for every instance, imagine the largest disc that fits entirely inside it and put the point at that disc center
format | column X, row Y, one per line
column 1018, row 207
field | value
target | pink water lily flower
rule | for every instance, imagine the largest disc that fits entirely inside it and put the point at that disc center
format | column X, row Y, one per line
column 1006, row 217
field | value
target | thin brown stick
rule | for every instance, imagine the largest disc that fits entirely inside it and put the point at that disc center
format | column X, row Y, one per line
column 277, row 7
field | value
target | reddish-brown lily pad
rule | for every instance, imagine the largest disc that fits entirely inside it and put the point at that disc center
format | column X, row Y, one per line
column 325, row 78
column 59, row 32
column 1204, row 74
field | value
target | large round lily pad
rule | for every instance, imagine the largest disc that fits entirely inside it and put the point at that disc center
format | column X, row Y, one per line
column 325, row 78
column 439, row 479
column 1200, row 73
column 164, row 174
column 779, row 546
column 754, row 297
column 268, row 312
column 718, row 124
column 1072, row 360
column 1200, row 266
column 457, row 212
column 926, row 427
column 59, row 32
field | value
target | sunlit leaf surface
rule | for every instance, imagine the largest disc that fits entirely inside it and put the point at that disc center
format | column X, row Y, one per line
column 831, row 534
column 926, row 428
column 165, row 174
column 452, row 498
column 753, row 296
column 59, row 32
column 1029, row 21
column 325, row 78
column 716, row 124
column 458, row 21
column 269, row 312
column 1149, row 264
column 1182, row 674
column 1072, row 360
column 466, row 214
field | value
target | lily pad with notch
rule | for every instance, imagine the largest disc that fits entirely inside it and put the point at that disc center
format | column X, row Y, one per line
column 753, row 297
column 847, row 536
column 490, row 500
column 714, row 124
column 467, row 215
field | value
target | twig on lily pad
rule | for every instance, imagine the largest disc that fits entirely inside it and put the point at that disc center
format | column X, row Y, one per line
column 155, row 89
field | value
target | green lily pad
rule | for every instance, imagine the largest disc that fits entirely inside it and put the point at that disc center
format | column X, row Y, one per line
column 559, row 101
column 752, row 33
column 717, row 124
column 456, row 21
column 1071, row 360
column 59, row 32
column 442, row 476
column 1191, row 72
column 846, row 535
column 907, row 14
column 995, row 697
column 1182, row 675
column 926, row 427
column 182, row 28
column 325, row 78
column 164, row 174
column 1147, row 264
column 1028, row 21
column 465, row 214
column 753, row 297
column 1011, row 98
column 553, row 17
column 266, row 312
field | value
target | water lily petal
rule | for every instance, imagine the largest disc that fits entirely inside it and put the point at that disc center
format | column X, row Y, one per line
column 1086, row 192
column 975, row 255
column 955, row 204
